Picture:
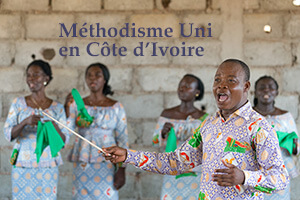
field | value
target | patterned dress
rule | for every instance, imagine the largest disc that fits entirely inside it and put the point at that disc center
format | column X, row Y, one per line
column 284, row 123
column 185, row 187
column 92, row 175
column 245, row 140
column 32, row 180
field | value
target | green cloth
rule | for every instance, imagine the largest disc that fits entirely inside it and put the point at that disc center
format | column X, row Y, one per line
column 171, row 146
column 47, row 135
column 83, row 118
column 171, row 141
column 286, row 140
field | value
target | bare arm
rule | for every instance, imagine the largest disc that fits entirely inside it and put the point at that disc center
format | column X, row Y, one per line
column 17, row 129
column 68, row 101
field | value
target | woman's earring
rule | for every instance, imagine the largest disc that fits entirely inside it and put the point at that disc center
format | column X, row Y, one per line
column 45, row 83
column 197, row 95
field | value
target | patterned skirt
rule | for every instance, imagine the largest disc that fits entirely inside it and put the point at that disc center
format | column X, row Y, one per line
column 184, row 188
column 93, row 181
column 34, row 183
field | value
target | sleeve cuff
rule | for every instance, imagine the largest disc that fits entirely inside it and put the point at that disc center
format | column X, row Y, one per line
column 247, row 178
column 129, row 155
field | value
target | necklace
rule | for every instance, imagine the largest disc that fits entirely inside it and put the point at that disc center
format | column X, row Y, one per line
column 38, row 105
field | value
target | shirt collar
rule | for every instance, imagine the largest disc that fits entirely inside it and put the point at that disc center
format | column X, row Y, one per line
column 243, row 112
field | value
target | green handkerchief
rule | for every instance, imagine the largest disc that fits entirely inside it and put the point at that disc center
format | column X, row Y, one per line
column 83, row 119
column 47, row 135
column 171, row 141
column 286, row 140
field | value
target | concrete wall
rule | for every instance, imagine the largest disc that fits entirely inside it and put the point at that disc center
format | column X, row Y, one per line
column 146, row 85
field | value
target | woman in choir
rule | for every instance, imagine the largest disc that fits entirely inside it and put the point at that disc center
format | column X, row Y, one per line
column 266, row 90
column 93, row 176
column 184, row 119
column 32, row 179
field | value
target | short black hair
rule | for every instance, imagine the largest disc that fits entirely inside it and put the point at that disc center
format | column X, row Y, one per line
column 200, row 86
column 107, row 88
column 44, row 66
column 255, row 101
column 243, row 65
column 266, row 77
